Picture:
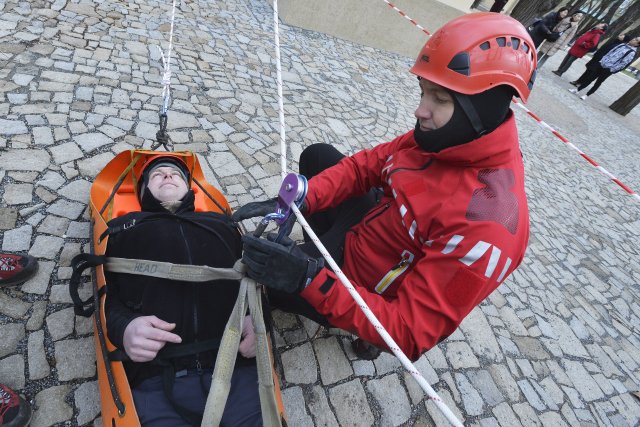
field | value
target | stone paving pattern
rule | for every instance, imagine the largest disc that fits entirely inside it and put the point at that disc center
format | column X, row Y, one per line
column 556, row 345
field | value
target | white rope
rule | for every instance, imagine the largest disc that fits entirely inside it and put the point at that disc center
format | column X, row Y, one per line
column 166, row 64
column 343, row 279
column 283, row 147
column 410, row 367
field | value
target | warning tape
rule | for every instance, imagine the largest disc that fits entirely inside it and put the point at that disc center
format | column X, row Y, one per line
column 391, row 5
column 542, row 123
column 605, row 172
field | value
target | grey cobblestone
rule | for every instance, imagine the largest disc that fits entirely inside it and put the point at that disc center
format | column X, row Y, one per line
column 52, row 407
column 349, row 399
column 556, row 344
column 38, row 365
column 11, row 334
column 394, row 406
column 333, row 364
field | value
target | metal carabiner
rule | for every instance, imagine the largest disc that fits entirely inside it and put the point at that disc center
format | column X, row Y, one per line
column 293, row 190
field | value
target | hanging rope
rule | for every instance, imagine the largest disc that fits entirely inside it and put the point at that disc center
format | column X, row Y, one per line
column 162, row 137
column 283, row 146
column 343, row 279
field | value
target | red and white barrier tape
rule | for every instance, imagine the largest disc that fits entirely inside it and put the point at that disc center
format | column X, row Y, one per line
column 542, row 123
column 584, row 156
column 391, row 5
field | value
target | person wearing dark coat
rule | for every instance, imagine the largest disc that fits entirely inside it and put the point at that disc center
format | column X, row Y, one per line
column 581, row 47
column 543, row 29
column 607, row 47
column 614, row 61
column 146, row 316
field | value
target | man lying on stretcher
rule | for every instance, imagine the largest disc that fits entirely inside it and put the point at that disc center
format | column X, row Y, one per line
column 171, row 329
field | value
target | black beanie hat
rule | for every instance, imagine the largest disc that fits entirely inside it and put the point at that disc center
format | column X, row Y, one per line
column 171, row 162
column 487, row 110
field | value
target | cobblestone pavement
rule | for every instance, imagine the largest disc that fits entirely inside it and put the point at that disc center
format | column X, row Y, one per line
column 556, row 345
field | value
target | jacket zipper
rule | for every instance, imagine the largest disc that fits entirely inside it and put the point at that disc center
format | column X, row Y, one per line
column 423, row 167
column 405, row 260
column 380, row 210
column 194, row 289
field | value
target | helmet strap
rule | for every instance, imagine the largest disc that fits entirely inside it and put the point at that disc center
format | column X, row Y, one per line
column 471, row 113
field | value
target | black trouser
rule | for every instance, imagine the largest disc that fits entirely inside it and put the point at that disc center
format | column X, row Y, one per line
column 566, row 63
column 331, row 226
column 593, row 72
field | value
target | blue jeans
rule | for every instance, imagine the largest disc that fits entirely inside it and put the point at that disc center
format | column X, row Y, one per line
column 190, row 391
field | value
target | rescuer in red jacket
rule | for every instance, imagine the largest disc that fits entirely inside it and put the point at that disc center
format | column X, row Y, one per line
column 425, row 226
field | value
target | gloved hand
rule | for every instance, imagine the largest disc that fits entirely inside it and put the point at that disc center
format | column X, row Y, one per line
column 281, row 266
column 255, row 209
column 261, row 209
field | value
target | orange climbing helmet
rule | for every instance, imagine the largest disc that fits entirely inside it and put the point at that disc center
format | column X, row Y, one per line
column 479, row 51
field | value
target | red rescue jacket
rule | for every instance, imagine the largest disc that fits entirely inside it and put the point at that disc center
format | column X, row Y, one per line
column 586, row 42
column 449, row 229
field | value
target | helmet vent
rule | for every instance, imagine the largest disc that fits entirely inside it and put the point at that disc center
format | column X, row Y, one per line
column 460, row 64
column 502, row 41
column 485, row 46
column 515, row 43
column 525, row 47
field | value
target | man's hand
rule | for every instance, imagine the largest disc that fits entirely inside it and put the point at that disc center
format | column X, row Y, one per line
column 145, row 336
column 281, row 266
column 247, row 346
column 255, row 209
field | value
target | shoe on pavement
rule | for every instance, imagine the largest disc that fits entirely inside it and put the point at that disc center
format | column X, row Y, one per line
column 16, row 269
column 573, row 90
column 574, row 83
column 14, row 410
column 557, row 73
column 364, row 350
column 583, row 97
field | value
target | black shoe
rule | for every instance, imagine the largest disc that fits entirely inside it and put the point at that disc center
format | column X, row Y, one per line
column 14, row 410
column 557, row 73
column 574, row 83
column 15, row 269
column 364, row 350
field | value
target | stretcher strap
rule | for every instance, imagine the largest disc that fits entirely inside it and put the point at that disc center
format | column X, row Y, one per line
column 167, row 270
column 225, row 362
column 266, row 387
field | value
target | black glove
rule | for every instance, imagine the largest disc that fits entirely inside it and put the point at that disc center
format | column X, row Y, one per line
column 261, row 209
column 255, row 209
column 281, row 266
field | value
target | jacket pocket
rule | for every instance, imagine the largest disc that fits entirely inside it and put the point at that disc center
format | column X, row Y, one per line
column 405, row 261
column 376, row 212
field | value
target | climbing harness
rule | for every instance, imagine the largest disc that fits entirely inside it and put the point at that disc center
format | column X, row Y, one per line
column 334, row 266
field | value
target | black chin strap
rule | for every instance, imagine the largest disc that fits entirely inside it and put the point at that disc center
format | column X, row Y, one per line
column 471, row 112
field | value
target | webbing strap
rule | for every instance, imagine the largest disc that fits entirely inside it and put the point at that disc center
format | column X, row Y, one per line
column 266, row 387
column 225, row 362
column 167, row 270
